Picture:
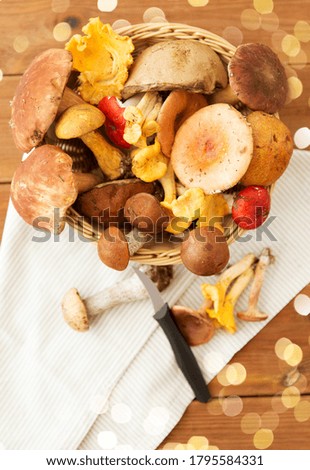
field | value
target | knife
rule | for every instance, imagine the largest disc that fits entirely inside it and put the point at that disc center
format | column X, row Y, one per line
column 182, row 352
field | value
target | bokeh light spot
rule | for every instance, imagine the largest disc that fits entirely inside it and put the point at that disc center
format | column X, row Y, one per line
column 120, row 24
column 302, row 31
column 214, row 407
column 280, row 346
column 263, row 6
column 198, row 442
column 270, row 22
column 290, row 397
column 250, row 19
column 153, row 12
column 270, row 420
column 290, row 45
column 263, row 438
column 233, row 35
column 250, row 423
column 198, row 3
column 121, row 413
column 20, row 44
column 106, row 5
column 293, row 354
column 232, row 405
column 302, row 301
column 302, row 411
column 1, row 75
column 62, row 32
column 107, row 440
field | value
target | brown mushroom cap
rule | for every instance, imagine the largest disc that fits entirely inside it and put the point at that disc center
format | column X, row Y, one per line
column 195, row 328
column 107, row 200
column 258, row 78
column 145, row 213
column 38, row 96
column 169, row 65
column 205, row 252
column 43, row 183
column 113, row 249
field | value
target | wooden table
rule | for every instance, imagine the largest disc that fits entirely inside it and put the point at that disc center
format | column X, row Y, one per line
column 28, row 28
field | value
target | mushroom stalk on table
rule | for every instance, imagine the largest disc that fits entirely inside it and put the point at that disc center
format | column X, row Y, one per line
column 252, row 313
column 78, row 313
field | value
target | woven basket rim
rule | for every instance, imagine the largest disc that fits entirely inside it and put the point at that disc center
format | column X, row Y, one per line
column 149, row 32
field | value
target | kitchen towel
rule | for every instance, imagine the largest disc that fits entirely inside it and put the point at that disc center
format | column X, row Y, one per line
column 118, row 386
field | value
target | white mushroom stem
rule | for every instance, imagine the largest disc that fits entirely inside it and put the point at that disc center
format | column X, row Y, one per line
column 252, row 313
column 136, row 240
column 78, row 312
column 149, row 105
column 129, row 290
column 225, row 95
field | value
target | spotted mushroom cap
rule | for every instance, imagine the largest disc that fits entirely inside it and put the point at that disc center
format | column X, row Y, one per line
column 38, row 96
column 43, row 188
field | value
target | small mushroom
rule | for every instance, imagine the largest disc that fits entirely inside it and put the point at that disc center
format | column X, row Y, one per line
column 252, row 313
column 205, row 251
column 43, row 183
column 83, row 121
column 147, row 217
column 37, row 97
column 256, row 78
column 78, row 312
column 196, row 327
column 145, row 213
column 178, row 106
column 106, row 201
column 213, row 148
column 149, row 163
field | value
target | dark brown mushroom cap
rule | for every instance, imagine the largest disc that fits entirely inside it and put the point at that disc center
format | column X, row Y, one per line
column 205, row 251
column 43, row 188
column 195, row 328
column 38, row 96
column 144, row 212
column 258, row 78
column 113, row 248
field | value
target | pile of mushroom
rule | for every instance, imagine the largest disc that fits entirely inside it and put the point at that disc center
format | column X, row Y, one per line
column 168, row 136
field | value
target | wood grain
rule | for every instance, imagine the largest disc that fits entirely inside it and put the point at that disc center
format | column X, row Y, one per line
column 226, row 433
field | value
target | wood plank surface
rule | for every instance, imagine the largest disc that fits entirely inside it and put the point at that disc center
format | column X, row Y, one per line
column 27, row 29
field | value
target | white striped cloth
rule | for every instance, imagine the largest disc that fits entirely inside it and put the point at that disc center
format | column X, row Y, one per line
column 118, row 385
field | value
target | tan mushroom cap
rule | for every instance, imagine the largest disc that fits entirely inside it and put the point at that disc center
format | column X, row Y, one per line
column 205, row 251
column 169, row 65
column 113, row 249
column 43, row 188
column 258, row 78
column 38, row 96
column 213, row 148
column 74, row 311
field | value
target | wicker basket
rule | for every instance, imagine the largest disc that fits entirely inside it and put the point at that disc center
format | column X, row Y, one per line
column 144, row 35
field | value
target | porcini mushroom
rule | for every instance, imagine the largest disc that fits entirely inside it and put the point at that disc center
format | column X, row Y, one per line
column 146, row 216
column 38, row 96
column 83, row 121
column 252, row 313
column 256, row 78
column 115, row 247
column 45, row 183
column 106, row 201
column 205, row 251
column 212, row 149
column 169, row 65
column 145, row 212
